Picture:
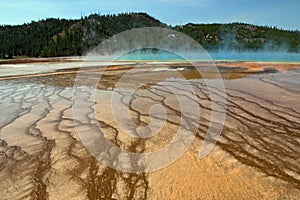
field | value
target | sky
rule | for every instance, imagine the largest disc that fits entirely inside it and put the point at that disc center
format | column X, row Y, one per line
column 280, row 13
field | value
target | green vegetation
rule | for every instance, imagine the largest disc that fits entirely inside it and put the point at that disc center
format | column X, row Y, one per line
column 242, row 37
column 60, row 37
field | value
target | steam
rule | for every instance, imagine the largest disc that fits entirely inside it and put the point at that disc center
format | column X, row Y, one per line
column 229, row 48
column 229, row 43
column 170, row 43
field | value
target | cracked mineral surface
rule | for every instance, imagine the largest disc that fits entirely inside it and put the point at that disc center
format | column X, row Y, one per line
column 257, row 155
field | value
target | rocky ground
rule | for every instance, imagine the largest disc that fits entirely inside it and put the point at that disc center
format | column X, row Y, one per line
column 257, row 156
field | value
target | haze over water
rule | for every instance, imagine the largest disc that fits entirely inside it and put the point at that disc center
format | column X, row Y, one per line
column 217, row 56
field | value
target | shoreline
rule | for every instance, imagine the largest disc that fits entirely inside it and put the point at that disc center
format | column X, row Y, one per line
column 107, row 59
column 71, row 65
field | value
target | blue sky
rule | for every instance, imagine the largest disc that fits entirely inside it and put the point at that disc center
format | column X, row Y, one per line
column 280, row 13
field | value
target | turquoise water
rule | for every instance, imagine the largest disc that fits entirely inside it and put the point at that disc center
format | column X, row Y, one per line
column 234, row 56
column 158, row 55
column 259, row 56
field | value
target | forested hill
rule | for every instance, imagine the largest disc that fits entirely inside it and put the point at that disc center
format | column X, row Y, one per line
column 60, row 37
column 242, row 37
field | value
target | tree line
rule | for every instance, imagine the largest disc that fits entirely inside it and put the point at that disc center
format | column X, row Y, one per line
column 61, row 37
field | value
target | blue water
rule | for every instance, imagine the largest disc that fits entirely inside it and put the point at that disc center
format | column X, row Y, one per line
column 259, row 56
column 230, row 56
column 160, row 55
column 164, row 56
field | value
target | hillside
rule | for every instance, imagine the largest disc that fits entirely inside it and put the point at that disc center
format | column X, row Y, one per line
column 242, row 37
column 61, row 37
